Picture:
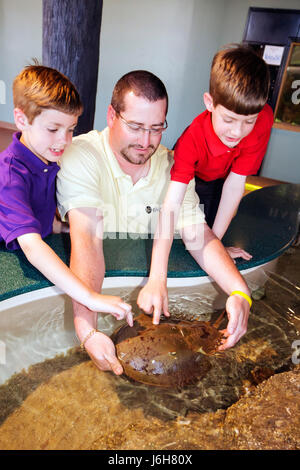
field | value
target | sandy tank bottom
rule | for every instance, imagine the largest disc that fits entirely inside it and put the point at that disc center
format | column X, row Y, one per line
column 250, row 400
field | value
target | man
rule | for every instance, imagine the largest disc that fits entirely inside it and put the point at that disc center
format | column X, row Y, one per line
column 106, row 183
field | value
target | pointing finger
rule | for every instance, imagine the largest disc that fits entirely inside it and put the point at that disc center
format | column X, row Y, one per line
column 166, row 307
column 156, row 314
column 129, row 318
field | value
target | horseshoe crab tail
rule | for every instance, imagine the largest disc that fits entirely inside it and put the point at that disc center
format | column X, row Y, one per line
column 219, row 319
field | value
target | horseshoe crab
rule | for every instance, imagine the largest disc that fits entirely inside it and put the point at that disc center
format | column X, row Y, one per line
column 171, row 354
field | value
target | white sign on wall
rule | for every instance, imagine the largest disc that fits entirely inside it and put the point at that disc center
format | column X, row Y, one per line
column 273, row 54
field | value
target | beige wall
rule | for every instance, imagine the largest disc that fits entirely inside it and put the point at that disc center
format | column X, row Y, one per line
column 175, row 39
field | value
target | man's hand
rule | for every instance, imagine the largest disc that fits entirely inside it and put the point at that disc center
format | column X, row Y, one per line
column 153, row 298
column 238, row 310
column 235, row 252
column 101, row 350
column 86, row 226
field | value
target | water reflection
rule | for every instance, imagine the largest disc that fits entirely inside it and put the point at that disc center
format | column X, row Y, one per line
column 65, row 402
column 263, row 351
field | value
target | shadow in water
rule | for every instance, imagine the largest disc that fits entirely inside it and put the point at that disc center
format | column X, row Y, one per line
column 262, row 352
column 266, row 349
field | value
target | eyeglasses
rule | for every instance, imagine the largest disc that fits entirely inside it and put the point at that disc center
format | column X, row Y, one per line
column 136, row 128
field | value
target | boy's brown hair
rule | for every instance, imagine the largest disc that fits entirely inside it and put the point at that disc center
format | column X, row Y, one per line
column 239, row 80
column 142, row 83
column 37, row 88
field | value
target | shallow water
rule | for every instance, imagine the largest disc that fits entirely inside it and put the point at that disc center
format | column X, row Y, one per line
column 263, row 351
column 67, row 403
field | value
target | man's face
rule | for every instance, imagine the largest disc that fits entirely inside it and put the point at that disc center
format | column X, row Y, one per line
column 136, row 146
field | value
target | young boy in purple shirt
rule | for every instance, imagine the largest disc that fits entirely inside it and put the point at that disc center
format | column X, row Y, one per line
column 46, row 110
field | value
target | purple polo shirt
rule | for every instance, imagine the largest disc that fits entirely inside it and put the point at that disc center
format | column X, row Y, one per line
column 27, row 193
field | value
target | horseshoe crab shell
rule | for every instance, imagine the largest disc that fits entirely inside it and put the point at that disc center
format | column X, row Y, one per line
column 171, row 354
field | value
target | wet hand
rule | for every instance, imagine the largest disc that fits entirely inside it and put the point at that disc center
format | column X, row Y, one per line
column 235, row 252
column 113, row 305
column 238, row 310
column 101, row 350
column 153, row 298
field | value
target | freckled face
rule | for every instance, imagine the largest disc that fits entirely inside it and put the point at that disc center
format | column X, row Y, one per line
column 230, row 127
column 49, row 134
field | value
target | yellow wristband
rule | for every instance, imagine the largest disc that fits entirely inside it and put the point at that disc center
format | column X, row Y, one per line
column 239, row 292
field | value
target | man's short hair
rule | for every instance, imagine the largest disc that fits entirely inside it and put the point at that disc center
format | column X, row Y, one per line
column 37, row 88
column 143, row 83
column 239, row 80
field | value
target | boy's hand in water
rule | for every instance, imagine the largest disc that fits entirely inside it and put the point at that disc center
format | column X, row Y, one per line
column 113, row 305
column 153, row 298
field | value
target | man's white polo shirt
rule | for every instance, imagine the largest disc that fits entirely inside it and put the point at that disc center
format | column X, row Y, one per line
column 90, row 176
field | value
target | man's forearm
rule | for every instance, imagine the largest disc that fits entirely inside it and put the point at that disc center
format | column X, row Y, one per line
column 214, row 259
column 92, row 273
column 87, row 262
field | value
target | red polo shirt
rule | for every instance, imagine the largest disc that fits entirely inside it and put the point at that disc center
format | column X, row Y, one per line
column 200, row 152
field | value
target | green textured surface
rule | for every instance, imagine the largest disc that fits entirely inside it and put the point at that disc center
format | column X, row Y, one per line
column 265, row 225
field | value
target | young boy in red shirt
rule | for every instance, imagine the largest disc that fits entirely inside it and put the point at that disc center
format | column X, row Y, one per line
column 220, row 148
column 227, row 142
